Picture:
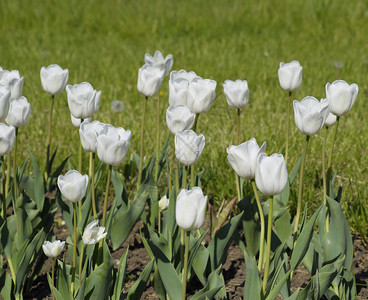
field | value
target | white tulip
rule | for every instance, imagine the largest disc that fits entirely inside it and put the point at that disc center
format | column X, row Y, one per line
column 201, row 94
column 163, row 203
column 188, row 146
column 113, row 144
column 4, row 102
column 237, row 93
column 290, row 75
column 310, row 115
column 53, row 249
column 179, row 118
column 331, row 118
column 178, row 86
column 76, row 121
column 158, row 60
column 191, row 209
column 73, row 185
column 83, row 100
column 88, row 134
column 93, row 233
column 13, row 81
column 54, row 79
column 149, row 80
column 243, row 158
column 7, row 138
column 19, row 112
column 341, row 96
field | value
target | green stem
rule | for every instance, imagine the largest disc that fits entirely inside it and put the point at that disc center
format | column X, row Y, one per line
column 80, row 265
column 74, row 246
column 53, row 277
column 7, row 182
column 237, row 186
column 299, row 205
column 159, row 220
column 185, row 267
column 157, row 136
column 15, row 168
column 80, row 157
column 192, row 177
column 324, row 166
column 288, row 127
column 48, row 142
column 177, row 183
column 92, row 175
column 333, row 143
column 268, row 249
column 195, row 122
column 11, row 267
column 185, row 177
column 238, row 125
column 170, row 171
column 261, row 217
column 3, row 179
column 141, row 146
column 106, row 195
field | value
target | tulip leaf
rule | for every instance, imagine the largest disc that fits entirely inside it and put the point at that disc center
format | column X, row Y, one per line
column 214, row 283
column 24, row 226
column 51, row 181
column 120, row 276
column 55, row 291
column 169, row 277
column 38, row 187
column 200, row 263
column 158, row 285
column 139, row 286
column 160, row 242
column 64, row 280
column 6, row 285
column 193, row 250
column 253, row 283
column 121, row 196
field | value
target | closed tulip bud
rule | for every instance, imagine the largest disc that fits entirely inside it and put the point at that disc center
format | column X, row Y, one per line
column 179, row 118
column 13, row 81
column 54, row 79
column 310, row 115
column 7, row 138
column 93, row 233
column 341, row 96
column 53, row 249
column 83, row 100
column 188, row 146
column 237, row 93
column 243, row 158
column 163, row 203
column 331, row 118
column 149, row 80
column 73, row 185
column 19, row 112
column 88, row 134
column 113, row 144
column 117, row 106
column 201, row 94
column 4, row 102
column 76, row 121
column 290, row 75
column 271, row 174
column 191, row 209
column 158, row 60
column 178, row 86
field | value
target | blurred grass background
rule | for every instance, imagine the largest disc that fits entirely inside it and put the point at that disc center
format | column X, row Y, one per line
column 104, row 42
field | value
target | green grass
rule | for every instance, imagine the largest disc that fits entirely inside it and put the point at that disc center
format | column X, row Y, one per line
column 104, row 42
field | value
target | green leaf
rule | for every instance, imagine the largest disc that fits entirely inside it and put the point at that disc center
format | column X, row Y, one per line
column 160, row 242
column 200, row 263
column 121, row 196
column 139, row 286
column 6, row 284
column 276, row 290
column 253, row 283
column 54, row 290
column 38, row 187
column 194, row 249
column 119, row 281
column 64, row 280
column 24, row 226
column 214, row 283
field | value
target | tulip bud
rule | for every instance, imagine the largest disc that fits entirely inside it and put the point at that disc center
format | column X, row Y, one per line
column 93, row 233
column 7, row 138
column 19, row 112
column 12, row 80
column 237, row 93
column 54, row 79
column 113, row 144
column 53, row 249
column 83, row 100
column 290, row 75
column 88, row 134
column 191, row 209
column 158, row 61
column 178, row 86
column 117, row 106
column 73, row 185
column 188, row 146
column 341, row 96
column 163, row 203
column 310, row 115
column 4, row 102
column 331, row 118
column 76, row 121
column 149, row 80
column 201, row 94
column 243, row 158
column 271, row 174
column 179, row 118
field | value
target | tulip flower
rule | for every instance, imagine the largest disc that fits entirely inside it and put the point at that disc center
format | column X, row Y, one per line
column 201, row 94
column 163, row 204
column 13, row 81
column 93, row 233
column 113, row 144
column 54, row 79
column 77, row 122
column 88, row 134
column 7, row 138
column 117, row 106
column 271, row 174
column 188, row 146
column 331, row 118
column 158, row 60
column 53, row 249
column 237, row 93
column 178, row 86
column 179, row 118
column 73, row 185
column 19, row 112
column 243, row 158
column 83, row 100
column 290, row 75
column 310, row 115
column 149, row 80
column 341, row 96
column 4, row 102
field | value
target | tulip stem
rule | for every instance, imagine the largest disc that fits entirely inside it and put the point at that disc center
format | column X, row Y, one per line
column 238, row 125
column 15, row 167
column 333, row 143
column 288, row 128
column 80, row 265
column 8, row 168
column 324, row 166
column 48, row 142
column 185, row 266
column 74, row 245
column 170, row 171
column 299, row 204
column 141, row 146
column 3, row 179
column 177, row 183
column 184, row 177
column 11, row 267
column 261, row 217
column 182, row 238
column 106, row 195
column 92, row 174
column 192, row 177
column 159, row 220
column 157, row 136
column 53, row 276
column 268, row 249
column 195, row 122
column 237, row 186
